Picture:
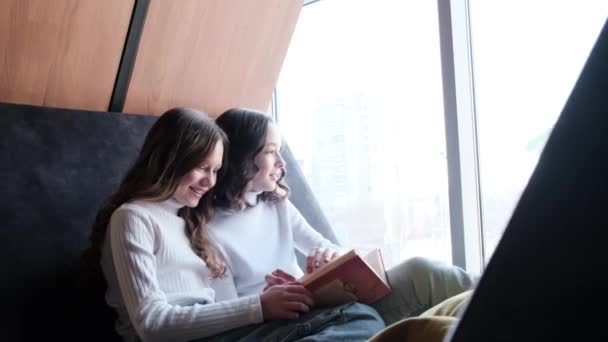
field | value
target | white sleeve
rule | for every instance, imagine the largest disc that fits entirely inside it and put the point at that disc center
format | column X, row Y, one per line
column 132, row 241
column 304, row 236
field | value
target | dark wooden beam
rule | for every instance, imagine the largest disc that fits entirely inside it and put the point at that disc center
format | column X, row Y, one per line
column 129, row 54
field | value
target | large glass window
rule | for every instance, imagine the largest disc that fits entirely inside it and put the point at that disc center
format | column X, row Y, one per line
column 359, row 101
column 527, row 56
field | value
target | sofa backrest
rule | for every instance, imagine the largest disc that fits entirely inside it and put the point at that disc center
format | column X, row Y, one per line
column 57, row 167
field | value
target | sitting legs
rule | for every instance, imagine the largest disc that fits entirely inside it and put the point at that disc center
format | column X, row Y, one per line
column 349, row 322
column 419, row 284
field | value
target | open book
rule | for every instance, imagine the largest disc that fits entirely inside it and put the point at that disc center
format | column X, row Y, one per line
column 348, row 278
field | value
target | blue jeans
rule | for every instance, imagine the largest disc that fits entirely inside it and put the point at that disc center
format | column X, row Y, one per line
column 419, row 284
column 349, row 322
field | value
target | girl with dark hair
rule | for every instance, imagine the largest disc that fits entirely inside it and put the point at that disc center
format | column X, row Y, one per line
column 164, row 278
column 258, row 230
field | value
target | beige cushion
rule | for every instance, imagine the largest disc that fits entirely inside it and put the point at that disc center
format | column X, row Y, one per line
column 430, row 326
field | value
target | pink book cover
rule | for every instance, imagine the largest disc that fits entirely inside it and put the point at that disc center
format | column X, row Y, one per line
column 352, row 280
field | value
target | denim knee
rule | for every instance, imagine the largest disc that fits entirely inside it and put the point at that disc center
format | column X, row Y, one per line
column 359, row 310
column 361, row 322
column 349, row 322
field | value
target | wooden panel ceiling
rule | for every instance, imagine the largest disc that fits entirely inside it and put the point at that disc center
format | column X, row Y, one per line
column 211, row 55
column 61, row 53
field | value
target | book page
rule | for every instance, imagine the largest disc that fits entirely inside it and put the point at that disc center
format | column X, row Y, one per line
column 350, row 279
column 374, row 259
column 333, row 294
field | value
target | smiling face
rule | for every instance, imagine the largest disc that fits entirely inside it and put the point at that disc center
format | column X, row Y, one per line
column 201, row 179
column 269, row 162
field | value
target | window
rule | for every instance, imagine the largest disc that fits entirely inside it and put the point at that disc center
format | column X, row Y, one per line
column 359, row 100
column 527, row 56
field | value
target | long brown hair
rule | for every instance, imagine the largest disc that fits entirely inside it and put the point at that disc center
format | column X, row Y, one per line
column 178, row 141
column 246, row 129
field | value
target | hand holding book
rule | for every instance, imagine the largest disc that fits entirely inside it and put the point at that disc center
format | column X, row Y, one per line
column 279, row 277
column 285, row 301
column 317, row 257
column 348, row 278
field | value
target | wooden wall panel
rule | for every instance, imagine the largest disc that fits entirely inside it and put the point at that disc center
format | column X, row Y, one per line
column 61, row 53
column 210, row 54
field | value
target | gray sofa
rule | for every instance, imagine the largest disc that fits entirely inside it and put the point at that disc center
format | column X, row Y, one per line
column 57, row 166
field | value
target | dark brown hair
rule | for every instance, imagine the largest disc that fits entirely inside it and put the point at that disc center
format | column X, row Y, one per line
column 178, row 142
column 246, row 129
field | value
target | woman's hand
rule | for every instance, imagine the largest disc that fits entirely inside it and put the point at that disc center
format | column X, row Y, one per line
column 279, row 277
column 319, row 257
column 285, row 301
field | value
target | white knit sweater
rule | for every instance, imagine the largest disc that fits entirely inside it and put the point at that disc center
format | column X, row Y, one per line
column 161, row 290
column 256, row 241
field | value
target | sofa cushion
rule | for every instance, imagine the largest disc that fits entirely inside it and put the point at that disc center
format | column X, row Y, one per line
column 432, row 325
column 57, row 166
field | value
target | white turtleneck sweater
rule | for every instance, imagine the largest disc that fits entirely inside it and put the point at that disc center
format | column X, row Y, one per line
column 256, row 241
column 161, row 290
